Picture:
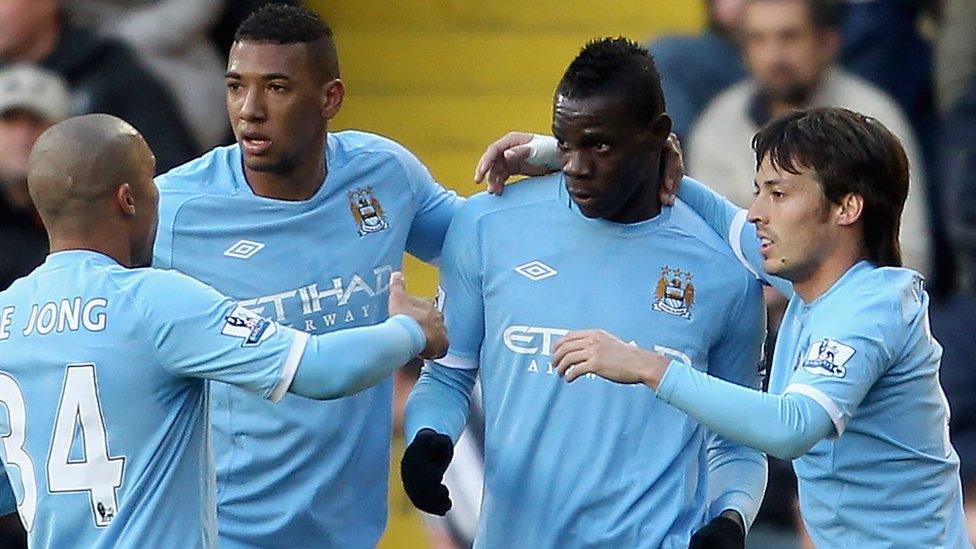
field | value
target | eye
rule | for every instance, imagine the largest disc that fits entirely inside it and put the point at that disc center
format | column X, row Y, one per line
column 562, row 145
column 778, row 194
column 601, row 148
column 277, row 87
column 233, row 86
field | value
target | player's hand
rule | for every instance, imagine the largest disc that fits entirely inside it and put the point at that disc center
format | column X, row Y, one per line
column 674, row 170
column 510, row 156
column 423, row 311
column 422, row 471
column 596, row 351
column 721, row 532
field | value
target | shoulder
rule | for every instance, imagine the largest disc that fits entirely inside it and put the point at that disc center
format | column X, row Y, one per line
column 152, row 289
column 355, row 143
column 857, row 94
column 205, row 174
column 687, row 223
column 879, row 303
column 516, row 199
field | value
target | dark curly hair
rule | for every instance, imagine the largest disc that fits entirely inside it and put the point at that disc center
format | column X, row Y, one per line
column 291, row 24
column 616, row 66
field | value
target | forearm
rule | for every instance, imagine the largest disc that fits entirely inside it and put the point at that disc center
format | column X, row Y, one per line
column 783, row 426
column 440, row 401
column 736, row 480
column 345, row 362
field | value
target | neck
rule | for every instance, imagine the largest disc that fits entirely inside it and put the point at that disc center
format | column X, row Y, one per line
column 95, row 241
column 41, row 45
column 827, row 274
column 779, row 108
column 299, row 183
column 644, row 205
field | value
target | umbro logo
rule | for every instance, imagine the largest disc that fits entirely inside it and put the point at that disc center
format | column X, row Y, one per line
column 244, row 249
column 536, row 271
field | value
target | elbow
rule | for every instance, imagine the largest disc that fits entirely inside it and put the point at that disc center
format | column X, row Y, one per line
column 791, row 447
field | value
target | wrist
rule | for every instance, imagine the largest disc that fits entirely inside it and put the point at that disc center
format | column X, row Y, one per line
column 735, row 517
column 657, row 366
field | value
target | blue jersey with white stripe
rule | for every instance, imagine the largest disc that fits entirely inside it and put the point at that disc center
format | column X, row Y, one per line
column 594, row 463
column 104, row 416
column 303, row 473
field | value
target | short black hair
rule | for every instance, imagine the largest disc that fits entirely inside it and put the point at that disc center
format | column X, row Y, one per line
column 616, row 66
column 849, row 153
column 824, row 14
column 291, row 24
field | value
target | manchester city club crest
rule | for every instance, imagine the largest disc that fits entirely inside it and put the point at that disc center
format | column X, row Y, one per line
column 674, row 293
column 367, row 211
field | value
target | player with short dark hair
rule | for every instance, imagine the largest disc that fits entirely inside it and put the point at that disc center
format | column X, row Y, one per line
column 854, row 395
column 303, row 225
column 595, row 464
column 105, row 365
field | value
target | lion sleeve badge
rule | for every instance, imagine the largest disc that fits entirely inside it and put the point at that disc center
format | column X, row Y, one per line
column 674, row 293
column 367, row 211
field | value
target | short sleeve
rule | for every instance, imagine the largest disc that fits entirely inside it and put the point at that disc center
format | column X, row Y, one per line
column 198, row 332
column 435, row 208
column 843, row 360
column 460, row 290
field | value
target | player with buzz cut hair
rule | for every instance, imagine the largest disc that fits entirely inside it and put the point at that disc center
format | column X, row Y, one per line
column 305, row 226
column 594, row 464
column 854, row 395
column 105, row 365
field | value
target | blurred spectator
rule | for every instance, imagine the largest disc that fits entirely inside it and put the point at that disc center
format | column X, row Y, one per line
column 31, row 100
column 180, row 52
column 102, row 75
column 955, row 59
column 696, row 68
column 790, row 48
column 883, row 45
column 959, row 167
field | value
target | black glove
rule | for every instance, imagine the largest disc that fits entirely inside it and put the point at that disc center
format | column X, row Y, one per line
column 720, row 533
column 422, row 471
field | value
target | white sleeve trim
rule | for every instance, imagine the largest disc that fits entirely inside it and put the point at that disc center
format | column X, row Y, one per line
column 735, row 240
column 825, row 402
column 458, row 362
column 290, row 366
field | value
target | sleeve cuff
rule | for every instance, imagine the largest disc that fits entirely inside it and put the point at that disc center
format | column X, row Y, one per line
column 672, row 377
column 417, row 337
column 290, row 366
column 456, row 362
column 822, row 400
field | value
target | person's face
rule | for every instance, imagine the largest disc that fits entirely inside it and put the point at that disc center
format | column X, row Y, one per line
column 146, row 219
column 19, row 129
column 277, row 104
column 793, row 221
column 609, row 160
column 785, row 53
column 20, row 20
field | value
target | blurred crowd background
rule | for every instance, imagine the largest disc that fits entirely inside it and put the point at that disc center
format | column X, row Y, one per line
column 445, row 77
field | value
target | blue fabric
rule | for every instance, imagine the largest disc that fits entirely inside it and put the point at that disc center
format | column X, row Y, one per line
column 592, row 463
column 304, row 473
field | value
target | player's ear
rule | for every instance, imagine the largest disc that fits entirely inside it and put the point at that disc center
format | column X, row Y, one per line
column 660, row 128
column 850, row 210
column 125, row 200
column 333, row 92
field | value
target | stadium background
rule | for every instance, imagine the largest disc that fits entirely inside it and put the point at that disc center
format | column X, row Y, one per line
column 446, row 77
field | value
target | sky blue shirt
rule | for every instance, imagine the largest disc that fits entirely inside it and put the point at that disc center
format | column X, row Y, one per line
column 102, row 381
column 885, row 474
column 303, row 473
column 593, row 463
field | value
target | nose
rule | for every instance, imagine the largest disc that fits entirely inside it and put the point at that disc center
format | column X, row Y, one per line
column 577, row 165
column 253, row 109
column 756, row 212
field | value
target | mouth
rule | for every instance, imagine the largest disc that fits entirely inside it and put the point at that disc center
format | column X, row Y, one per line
column 765, row 245
column 582, row 198
column 255, row 143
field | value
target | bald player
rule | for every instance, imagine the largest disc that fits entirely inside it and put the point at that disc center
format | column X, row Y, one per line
column 104, row 416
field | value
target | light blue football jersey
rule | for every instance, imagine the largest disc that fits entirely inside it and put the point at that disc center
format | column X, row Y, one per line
column 104, row 416
column 595, row 463
column 303, row 473
column 864, row 352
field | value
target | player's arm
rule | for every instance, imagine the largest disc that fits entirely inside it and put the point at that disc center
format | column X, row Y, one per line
column 435, row 207
column 737, row 474
column 197, row 332
column 438, row 406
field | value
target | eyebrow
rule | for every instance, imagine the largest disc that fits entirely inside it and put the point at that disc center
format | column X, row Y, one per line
column 269, row 76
